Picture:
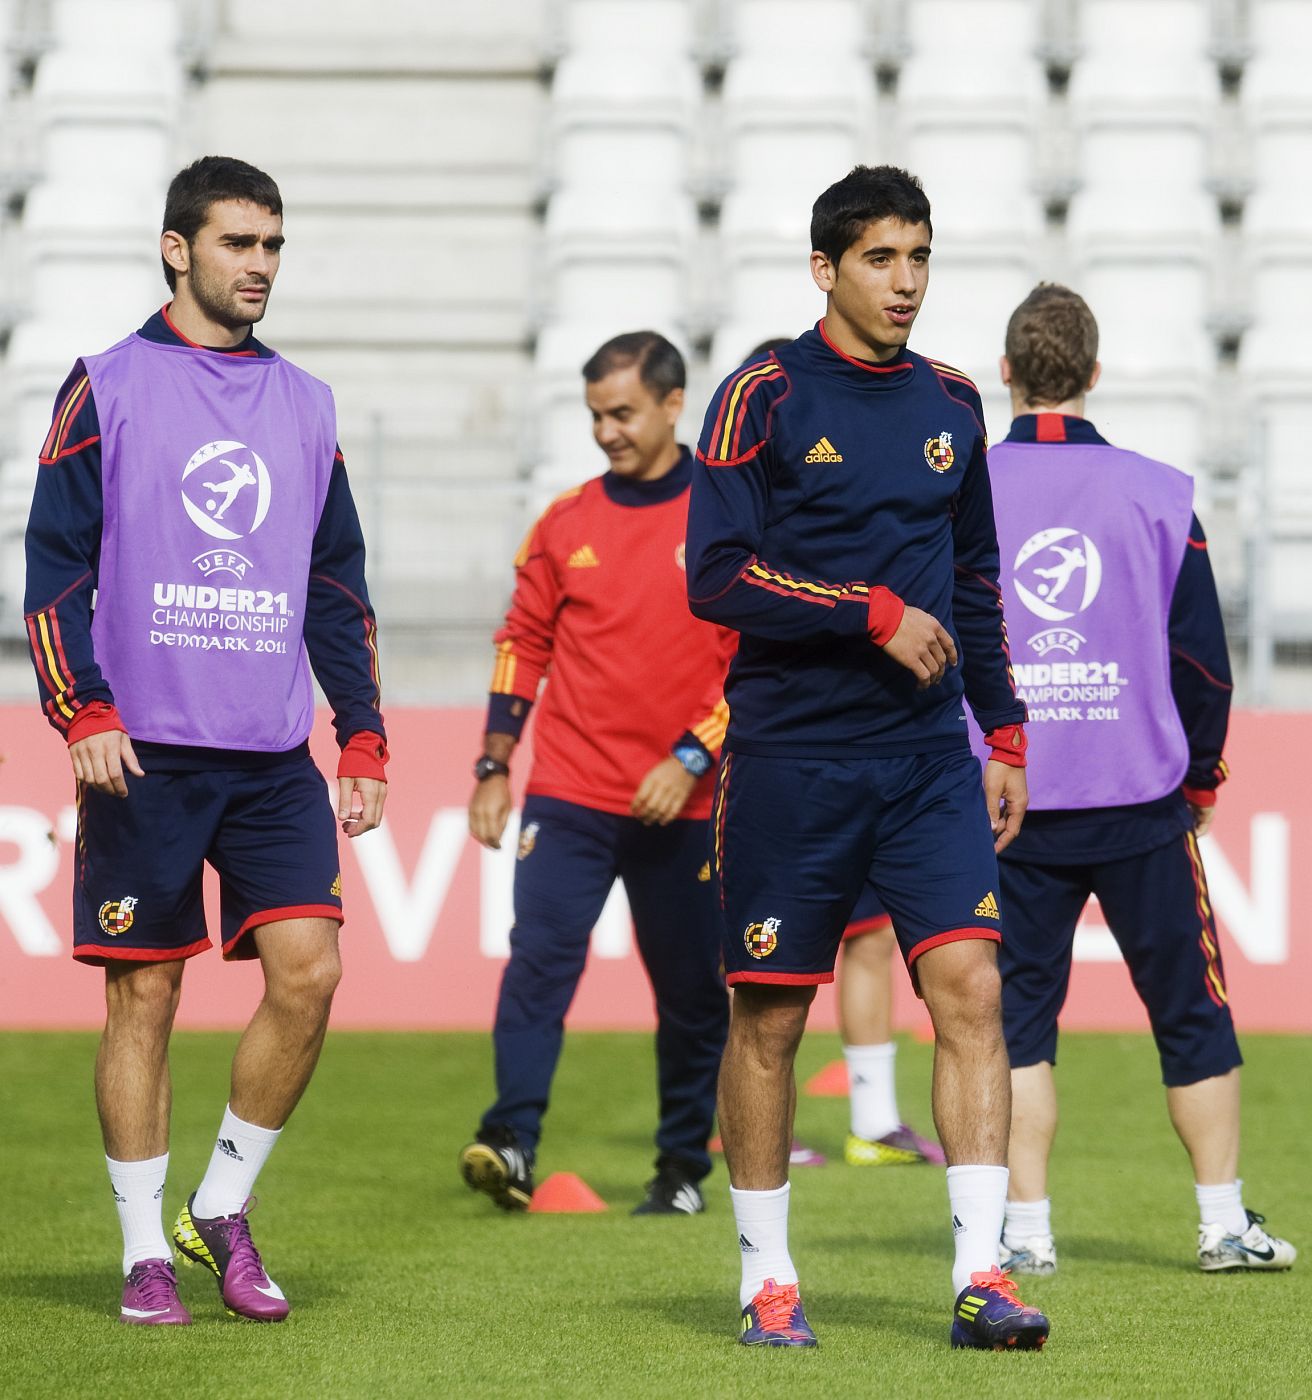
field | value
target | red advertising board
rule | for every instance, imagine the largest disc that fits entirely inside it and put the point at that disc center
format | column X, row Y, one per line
column 428, row 912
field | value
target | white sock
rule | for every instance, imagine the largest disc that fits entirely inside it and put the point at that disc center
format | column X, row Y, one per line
column 241, row 1150
column 871, row 1089
column 1027, row 1220
column 978, row 1197
column 139, row 1196
column 762, row 1220
column 1222, row 1205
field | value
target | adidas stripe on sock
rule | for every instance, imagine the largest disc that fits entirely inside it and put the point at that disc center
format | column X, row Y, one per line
column 978, row 1197
column 139, row 1195
column 762, row 1220
column 241, row 1150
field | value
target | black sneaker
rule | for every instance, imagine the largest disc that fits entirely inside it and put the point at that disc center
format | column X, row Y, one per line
column 497, row 1165
column 671, row 1192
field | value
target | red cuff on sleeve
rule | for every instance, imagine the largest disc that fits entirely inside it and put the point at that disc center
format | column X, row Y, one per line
column 365, row 756
column 1200, row 797
column 97, row 717
column 884, row 615
column 1008, row 743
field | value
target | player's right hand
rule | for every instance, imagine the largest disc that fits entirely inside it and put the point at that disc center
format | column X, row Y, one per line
column 489, row 810
column 1202, row 817
column 99, row 761
column 923, row 645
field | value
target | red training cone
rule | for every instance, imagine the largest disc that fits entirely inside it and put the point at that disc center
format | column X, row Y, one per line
column 563, row 1193
column 829, row 1083
column 716, row 1144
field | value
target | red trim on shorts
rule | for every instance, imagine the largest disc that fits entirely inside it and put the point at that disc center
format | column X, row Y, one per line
column 95, row 955
column 864, row 926
column 291, row 911
column 783, row 979
column 953, row 935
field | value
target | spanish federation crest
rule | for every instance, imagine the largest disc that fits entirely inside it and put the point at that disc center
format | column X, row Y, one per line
column 116, row 915
column 762, row 939
column 939, row 453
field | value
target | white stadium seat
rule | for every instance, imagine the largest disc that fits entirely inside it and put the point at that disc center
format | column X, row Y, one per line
column 1277, row 344
column 1152, row 308
column 982, row 52
column 1144, row 54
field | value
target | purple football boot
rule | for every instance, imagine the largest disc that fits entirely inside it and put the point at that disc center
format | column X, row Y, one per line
column 990, row 1317
column 902, row 1147
column 150, row 1296
column 774, row 1318
column 225, row 1246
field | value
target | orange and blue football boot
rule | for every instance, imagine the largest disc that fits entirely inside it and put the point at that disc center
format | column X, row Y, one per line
column 774, row 1318
column 990, row 1317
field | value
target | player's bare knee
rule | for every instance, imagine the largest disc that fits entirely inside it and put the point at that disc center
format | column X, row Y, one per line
column 306, row 985
column 768, row 1022
column 144, row 993
column 964, row 993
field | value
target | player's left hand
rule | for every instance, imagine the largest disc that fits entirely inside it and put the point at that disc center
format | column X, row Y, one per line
column 662, row 793
column 360, row 804
column 1007, row 795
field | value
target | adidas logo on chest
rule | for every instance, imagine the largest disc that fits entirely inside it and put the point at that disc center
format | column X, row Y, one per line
column 823, row 451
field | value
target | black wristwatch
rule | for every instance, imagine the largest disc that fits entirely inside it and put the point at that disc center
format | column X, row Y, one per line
column 487, row 767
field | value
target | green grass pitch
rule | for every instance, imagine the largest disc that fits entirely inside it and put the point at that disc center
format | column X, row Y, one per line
column 404, row 1283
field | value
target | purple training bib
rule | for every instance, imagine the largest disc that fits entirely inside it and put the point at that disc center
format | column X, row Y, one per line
column 1091, row 539
column 215, row 468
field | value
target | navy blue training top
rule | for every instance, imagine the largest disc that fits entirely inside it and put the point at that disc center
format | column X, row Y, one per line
column 818, row 478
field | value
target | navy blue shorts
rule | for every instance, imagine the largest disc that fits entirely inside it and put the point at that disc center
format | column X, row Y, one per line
column 869, row 916
column 796, row 840
column 271, row 833
column 1159, row 912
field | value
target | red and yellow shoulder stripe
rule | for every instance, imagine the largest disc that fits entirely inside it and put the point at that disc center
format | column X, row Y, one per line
column 526, row 550
column 725, row 444
column 56, row 444
column 946, row 371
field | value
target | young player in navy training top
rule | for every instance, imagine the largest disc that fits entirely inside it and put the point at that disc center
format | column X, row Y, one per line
column 627, row 730
column 840, row 520
column 877, row 1136
column 1105, row 560
column 190, row 484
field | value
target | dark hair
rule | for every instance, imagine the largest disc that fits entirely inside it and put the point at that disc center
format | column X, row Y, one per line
column 209, row 181
column 767, row 346
column 1052, row 345
column 660, row 366
column 865, row 194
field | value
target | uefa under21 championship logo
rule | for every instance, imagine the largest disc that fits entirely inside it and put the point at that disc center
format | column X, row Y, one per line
column 226, row 490
column 1062, row 572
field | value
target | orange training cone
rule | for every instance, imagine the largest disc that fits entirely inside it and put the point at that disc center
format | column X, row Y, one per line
column 563, row 1193
column 716, row 1144
column 829, row 1083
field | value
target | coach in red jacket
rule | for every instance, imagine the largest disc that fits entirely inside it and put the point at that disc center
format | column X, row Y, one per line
column 629, row 727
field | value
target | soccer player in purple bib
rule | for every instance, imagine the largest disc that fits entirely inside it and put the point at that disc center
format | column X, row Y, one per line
column 841, row 522
column 1105, row 569
column 192, row 551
